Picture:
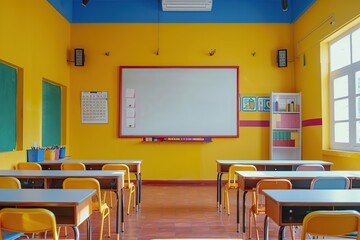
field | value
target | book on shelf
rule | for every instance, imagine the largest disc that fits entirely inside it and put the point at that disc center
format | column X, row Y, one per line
column 286, row 105
column 285, row 139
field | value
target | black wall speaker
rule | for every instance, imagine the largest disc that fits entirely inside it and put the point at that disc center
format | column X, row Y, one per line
column 284, row 5
column 282, row 58
column 79, row 57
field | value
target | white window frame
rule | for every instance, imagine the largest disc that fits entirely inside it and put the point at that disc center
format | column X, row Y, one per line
column 349, row 70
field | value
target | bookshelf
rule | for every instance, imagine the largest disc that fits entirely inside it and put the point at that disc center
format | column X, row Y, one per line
column 285, row 126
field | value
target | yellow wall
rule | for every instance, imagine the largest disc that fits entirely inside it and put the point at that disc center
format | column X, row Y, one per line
column 35, row 38
column 180, row 45
column 312, row 32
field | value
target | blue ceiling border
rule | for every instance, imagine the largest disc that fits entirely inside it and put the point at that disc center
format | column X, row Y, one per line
column 149, row 11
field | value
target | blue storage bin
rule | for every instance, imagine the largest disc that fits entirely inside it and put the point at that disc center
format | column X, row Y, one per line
column 35, row 155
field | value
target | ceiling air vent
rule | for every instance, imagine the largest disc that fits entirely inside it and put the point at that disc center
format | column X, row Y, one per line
column 186, row 5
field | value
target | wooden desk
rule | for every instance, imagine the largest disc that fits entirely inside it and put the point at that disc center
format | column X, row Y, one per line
column 289, row 207
column 247, row 180
column 134, row 167
column 70, row 207
column 262, row 165
column 54, row 179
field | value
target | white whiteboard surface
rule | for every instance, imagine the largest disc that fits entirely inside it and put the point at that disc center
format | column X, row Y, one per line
column 178, row 101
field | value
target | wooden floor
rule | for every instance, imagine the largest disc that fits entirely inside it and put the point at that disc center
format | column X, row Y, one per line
column 179, row 212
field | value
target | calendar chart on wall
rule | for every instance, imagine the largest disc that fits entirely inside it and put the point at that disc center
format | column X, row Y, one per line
column 94, row 107
column 178, row 102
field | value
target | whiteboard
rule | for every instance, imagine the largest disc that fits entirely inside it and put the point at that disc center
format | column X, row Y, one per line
column 178, row 101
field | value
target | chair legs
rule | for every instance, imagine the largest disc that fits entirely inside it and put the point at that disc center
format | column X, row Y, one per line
column 226, row 200
column 65, row 231
column 131, row 193
column 104, row 214
column 110, row 197
column 252, row 218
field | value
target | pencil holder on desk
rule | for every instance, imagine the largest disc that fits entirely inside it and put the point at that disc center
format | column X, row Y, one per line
column 50, row 154
column 57, row 152
column 35, row 155
column 62, row 152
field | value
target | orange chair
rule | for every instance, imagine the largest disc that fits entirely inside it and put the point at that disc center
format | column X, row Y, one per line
column 30, row 183
column 258, row 200
column 72, row 166
column 28, row 166
column 232, row 181
column 98, row 204
column 331, row 223
column 10, row 182
column 128, row 184
column 27, row 220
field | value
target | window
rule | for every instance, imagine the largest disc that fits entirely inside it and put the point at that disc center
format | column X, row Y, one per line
column 51, row 114
column 8, row 110
column 345, row 91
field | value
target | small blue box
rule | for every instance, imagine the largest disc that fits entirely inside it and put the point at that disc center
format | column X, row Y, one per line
column 62, row 152
column 35, row 155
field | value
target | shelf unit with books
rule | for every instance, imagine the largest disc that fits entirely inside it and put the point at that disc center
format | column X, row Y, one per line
column 285, row 126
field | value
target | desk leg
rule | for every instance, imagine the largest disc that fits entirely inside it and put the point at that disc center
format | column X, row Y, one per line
column 122, row 210
column 89, row 228
column 140, row 187
column 281, row 232
column 238, row 209
column 219, row 186
column 76, row 233
column 137, row 194
column 119, row 212
column 266, row 227
column 244, row 210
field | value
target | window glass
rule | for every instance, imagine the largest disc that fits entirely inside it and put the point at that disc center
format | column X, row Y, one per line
column 358, row 132
column 341, row 132
column 341, row 110
column 344, row 54
column 341, row 87
column 340, row 53
column 358, row 107
column 357, row 82
column 356, row 46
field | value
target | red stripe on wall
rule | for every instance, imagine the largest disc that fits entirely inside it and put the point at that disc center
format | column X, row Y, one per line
column 266, row 123
column 312, row 122
column 254, row 123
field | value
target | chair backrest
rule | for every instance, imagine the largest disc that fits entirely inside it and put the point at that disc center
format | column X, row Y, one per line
column 116, row 166
column 84, row 183
column 331, row 223
column 10, row 182
column 238, row 167
column 73, row 166
column 310, row 167
column 258, row 197
column 28, row 166
column 330, row 183
column 28, row 220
